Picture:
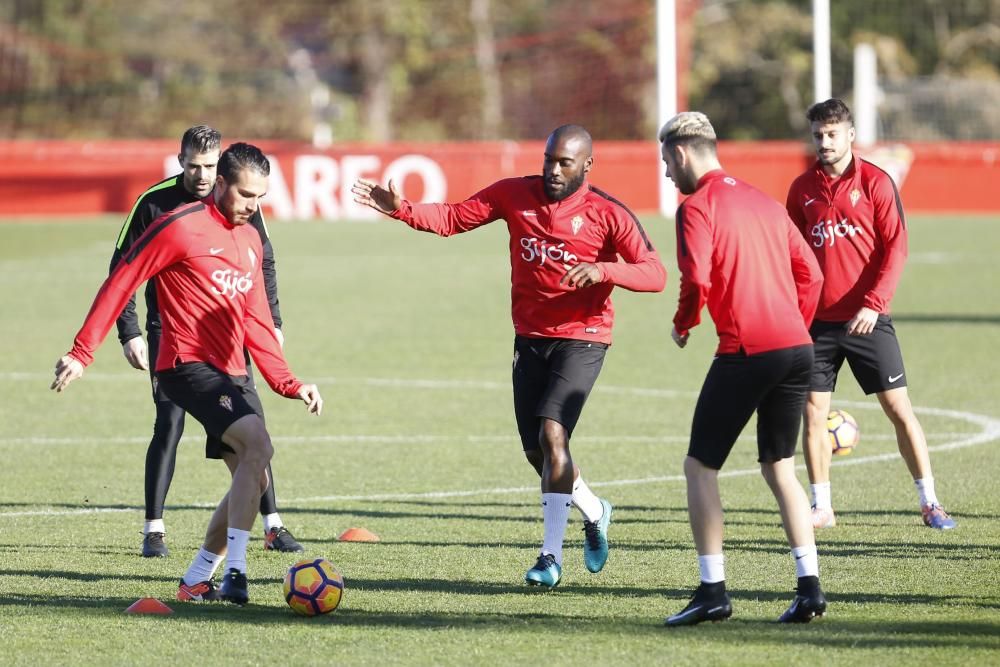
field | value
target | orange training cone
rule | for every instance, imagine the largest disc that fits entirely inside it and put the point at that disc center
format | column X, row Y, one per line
column 149, row 606
column 358, row 535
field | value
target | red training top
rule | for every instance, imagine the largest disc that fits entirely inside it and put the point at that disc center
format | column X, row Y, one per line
column 547, row 239
column 738, row 251
column 210, row 289
column 856, row 227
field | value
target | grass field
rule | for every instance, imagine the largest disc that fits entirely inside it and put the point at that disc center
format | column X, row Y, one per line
column 409, row 337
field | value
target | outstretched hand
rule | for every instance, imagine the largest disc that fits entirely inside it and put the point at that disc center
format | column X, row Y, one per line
column 67, row 370
column 309, row 393
column 373, row 195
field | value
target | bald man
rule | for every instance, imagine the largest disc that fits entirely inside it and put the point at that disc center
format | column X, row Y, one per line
column 566, row 237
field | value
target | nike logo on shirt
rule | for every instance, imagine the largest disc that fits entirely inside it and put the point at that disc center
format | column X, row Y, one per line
column 810, row 201
column 215, row 251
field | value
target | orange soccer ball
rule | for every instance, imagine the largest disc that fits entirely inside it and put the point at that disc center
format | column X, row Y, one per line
column 843, row 431
column 313, row 587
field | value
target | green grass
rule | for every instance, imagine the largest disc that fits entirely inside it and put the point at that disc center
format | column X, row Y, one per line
column 409, row 337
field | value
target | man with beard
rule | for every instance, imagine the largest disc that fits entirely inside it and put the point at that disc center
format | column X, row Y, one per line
column 851, row 215
column 199, row 159
column 739, row 254
column 565, row 240
column 210, row 289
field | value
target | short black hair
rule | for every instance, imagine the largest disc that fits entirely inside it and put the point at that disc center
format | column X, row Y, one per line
column 830, row 111
column 240, row 157
column 201, row 139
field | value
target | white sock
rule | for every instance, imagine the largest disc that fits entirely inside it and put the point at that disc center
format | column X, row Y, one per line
column 555, row 512
column 584, row 500
column 806, row 561
column 203, row 566
column 925, row 487
column 821, row 496
column 712, row 567
column 236, row 558
column 272, row 521
column 154, row 526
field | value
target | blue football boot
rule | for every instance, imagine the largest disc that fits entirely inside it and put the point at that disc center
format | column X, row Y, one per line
column 595, row 539
column 546, row 572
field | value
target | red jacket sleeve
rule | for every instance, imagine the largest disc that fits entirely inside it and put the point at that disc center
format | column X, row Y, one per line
column 890, row 233
column 262, row 343
column 694, row 261
column 160, row 246
column 794, row 208
column 449, row 219
column 642, row 270
column 806, row 272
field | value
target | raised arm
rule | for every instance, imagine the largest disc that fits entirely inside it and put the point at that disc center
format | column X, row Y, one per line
column 440, row 219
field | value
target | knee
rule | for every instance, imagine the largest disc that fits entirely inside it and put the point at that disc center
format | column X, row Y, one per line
column 695, row 470
column 535, row 458
column 552, row 435
column 256, row 445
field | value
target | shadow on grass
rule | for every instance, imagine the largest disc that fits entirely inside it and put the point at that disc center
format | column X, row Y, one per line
column 953, row 551
column 94, row 577
column 824, row 633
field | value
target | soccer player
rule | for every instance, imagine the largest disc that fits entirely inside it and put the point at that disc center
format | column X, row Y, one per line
column 198, row 158
column 565, row 240
column 850, row 212
column 213, row 305
column 738, row 252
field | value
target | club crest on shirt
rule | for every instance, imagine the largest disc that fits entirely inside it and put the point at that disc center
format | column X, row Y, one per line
column 855, row 196
column 226, row 402
column 576, row 223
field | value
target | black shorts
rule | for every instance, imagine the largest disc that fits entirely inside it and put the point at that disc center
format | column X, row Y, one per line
column 772, row 384
column 213, row 398
column 552, row 379
column 875, row 359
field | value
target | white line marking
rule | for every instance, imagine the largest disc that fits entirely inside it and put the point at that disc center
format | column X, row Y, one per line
column 990, row 432
column 415, row 439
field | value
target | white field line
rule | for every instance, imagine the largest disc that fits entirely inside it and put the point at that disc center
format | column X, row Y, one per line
column 415, row 439
column 990, row 431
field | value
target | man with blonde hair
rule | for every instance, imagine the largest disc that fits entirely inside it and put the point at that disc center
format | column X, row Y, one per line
column 738, row 251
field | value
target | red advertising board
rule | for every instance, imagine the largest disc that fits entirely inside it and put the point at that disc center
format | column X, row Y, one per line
column 59, row 178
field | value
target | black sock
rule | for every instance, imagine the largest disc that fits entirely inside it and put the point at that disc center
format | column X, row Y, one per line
column 714, row 589
column 808, row 586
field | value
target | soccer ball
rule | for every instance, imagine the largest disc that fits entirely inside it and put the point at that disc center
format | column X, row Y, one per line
column 313, row 587
column 844, row 432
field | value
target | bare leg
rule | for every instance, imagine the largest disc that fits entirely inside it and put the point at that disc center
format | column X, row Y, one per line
column 909, row 434
column 558, row 471
column 792, row 501
column 537, row 460
column 704, row 506
column 252, row 446
column 815, row 442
